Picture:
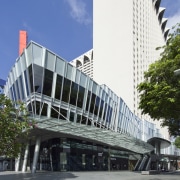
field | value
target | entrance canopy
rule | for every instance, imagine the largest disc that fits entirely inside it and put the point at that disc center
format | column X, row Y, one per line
column 91, row 133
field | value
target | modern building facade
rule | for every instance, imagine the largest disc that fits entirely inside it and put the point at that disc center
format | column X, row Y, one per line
column 85, row 125
column 80, row 125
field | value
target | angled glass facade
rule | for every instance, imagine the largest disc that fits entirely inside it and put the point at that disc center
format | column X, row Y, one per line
column 81, row 125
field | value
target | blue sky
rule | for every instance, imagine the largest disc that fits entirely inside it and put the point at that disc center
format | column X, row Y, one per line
column 63, row 26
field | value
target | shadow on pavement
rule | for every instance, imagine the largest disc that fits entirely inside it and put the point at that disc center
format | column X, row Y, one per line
column 37, row 176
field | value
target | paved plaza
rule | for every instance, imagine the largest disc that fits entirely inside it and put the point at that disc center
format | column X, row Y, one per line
column 103, row 175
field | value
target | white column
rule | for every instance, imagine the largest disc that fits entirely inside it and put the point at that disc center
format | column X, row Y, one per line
column 17, row 162
column 36, row 154
column 25, row 158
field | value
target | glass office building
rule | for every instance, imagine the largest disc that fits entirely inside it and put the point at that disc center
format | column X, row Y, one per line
column 80, row 125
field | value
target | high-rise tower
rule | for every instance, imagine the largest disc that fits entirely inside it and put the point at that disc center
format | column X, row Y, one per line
column 126, row 34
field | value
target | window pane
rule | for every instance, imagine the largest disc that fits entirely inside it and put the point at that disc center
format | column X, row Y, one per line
column 77, row 76
column 37, row 107
column 55, row 112
column 31, row 77
column 88, row 100
column 26, row 82
column 23, row 62
column 37, row 54
column 66, row 90
column 80, row 97
column 63, row 114
column 50, row 61
column 48, row 79
column 44, row 110
column 21, row 86
column 71, row 116
column 74, row 90
column 94, row 88
column 92, row 103
column 58, row 87
column 29, row 54
column 83, row 80
column 38, row 74
column 104, row 115
column 69, row 71
column 78, row 118
column 59, row 68
column 101, row 108
column 17, row 90
column 96, row 106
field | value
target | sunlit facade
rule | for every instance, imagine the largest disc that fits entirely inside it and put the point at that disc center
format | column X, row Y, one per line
column 80, row 125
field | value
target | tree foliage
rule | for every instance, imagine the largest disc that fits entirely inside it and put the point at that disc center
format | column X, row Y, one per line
column 177, row 142
column 13, row 126
column 160, row 90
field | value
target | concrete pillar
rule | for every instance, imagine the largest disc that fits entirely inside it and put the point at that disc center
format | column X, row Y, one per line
column 25, row 158
column 36, row 154
column 109, row 160
column 17, row 163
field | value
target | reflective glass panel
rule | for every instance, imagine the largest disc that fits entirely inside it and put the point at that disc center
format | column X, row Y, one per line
column 83, row 80
column 96, row 105
column 26, row 82
column 37, row 54
column 66, row 90
column 63, row 114
column 29, row 54
column 69, row 71
column 38, row 76
column 58, row 87
column 44, row 109
column 31, row 77
column 17, row 88
column 48, row 79
column 50, row 61
column 88, row 100
column 74, row 90
column 101, row 108
column 55, row 112
column 93, row 97
column 71, row 116
column 60, row 66
column 80, row 97
column 21, row 86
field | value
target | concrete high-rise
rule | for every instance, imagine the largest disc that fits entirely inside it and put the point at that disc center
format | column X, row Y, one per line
column 126, row 34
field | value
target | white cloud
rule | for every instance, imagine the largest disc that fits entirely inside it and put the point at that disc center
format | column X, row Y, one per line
column 79, row 12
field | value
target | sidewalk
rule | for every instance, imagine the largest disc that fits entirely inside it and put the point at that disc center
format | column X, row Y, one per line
column 95, row 175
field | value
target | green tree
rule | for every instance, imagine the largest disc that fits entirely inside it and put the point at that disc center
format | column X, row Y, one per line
column 13, row 126
column 177, row 142
column 160, row 90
